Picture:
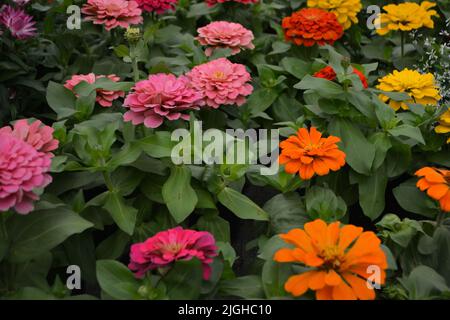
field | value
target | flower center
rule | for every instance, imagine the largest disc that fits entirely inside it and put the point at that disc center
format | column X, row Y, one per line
column 173, row 247
column 218, row 75
column 333, row 257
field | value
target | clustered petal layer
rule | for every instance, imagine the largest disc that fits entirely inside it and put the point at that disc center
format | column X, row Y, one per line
column 113, row 13
column 221, row 82
column 312, row 26
column 340, row 258
column 20, row 24
column 158, row 6
column 166, row 247
column 420, row 87
column 346, row 11
column 437, row 184
column 223, row 34
column 161, row 96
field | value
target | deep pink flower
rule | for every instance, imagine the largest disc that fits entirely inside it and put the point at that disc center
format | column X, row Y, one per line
column 19, row 23
column 172, row 245
column 223, row 34
column 104, row 98
column 39, row 136
column 113, row 13
column 158, row 6
column 221, row 82
column 161, row 96
column 211, row 3
column 22, row 169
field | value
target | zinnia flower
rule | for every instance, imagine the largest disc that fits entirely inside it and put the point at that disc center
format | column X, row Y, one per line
column 340, row 258
column 308, row 153
column 406, row 16
column 37, row 135
column 162, row 96
column 22, row 169
column 420, row 87
column 221, row 82
column 104, row 98
column 223, row 34
column 166, row 247
column 158, row 6
column 19, row 23
column 444, row 124
column 345, row 10
column 437, row 184
column 113, row 13
column 211, row 3
column 312, row 26
column 329, row 74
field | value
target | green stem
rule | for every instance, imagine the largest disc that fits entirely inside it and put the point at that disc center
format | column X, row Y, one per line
column 3, row 225
column 108, row 181
column 440, row 218
column 402, row 37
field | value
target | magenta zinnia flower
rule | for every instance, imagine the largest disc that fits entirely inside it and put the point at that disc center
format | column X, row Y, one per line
column 104, row 98
column 211, row 3
column 113, row 13
column 221, row 82
column 22, row 169
column 166, row 247
column 39, row 136
column 223, row 34
column 158, row 6
column 19, row 23
column 161, row 96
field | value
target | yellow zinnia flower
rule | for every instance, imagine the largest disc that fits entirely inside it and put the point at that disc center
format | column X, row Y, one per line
column 444, row 124
column 420, row 87
column 406, row 17
column 345, row 10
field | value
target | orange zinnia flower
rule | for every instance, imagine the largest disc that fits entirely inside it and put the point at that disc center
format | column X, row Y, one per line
column 310, row 26
column 342, row 260
column 437, row 183
column 308, row 153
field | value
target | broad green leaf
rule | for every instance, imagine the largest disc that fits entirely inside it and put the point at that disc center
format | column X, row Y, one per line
column 61, row 100
column 322, row 203
column 286, row 211
column 158, row 145
column 413, row 200
column 184, row 280
column 246, row 287
column 123, row 214
column 372, row 191
column 408, row 131
column 297, row 67
column 213, row 223
column 33, row 234
column 323, row 87
column 117, row 280
column 241, row 205
column 178, row 193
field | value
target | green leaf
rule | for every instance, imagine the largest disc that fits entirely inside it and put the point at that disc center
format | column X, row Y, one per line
column 241, row 205
column 261, row 99
column 41, row 231
column 246, row 287
column 372, row 191
column 158, row 145
column 128, row 154
column 184, row 280
column 113, row 246
column 407, row 131
column 123, row 214
column 297, row 67
column 322, row 203
column 286, row 211
column 61, row 100
column 423, row 283
column 413, row 200
column 228, row 252
column 323, row 87
column 178, row 193
column 360, row 152
column 117, row 280
column 213, row 223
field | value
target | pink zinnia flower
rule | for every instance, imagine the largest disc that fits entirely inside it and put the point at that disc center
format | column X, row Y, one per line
column 162, row 96
column 113, row 13
column 39, row 136
column 158, row 6
column 223, row 34
column 211, row 3
column 19, row 23
column 221, row 82
column 22, row 169
column 104, row 98
column 172, row 245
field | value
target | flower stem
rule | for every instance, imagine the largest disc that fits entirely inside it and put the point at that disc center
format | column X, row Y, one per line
column 3, row 225
column 108, row 181
column 440, row 218
column 402, row 38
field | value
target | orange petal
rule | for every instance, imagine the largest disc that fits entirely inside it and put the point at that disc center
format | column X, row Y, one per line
column 332, row 278
column 360, row 287
column 437, row 191
column 343, row 292
column 325, row 293
column 298, row 284
column 348, row 234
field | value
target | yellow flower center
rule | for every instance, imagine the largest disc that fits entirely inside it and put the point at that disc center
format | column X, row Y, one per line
column 218, row 75
column 333, row 257
column 173, row 247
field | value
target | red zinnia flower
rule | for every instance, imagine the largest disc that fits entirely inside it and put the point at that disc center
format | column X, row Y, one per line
column 329, row 74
